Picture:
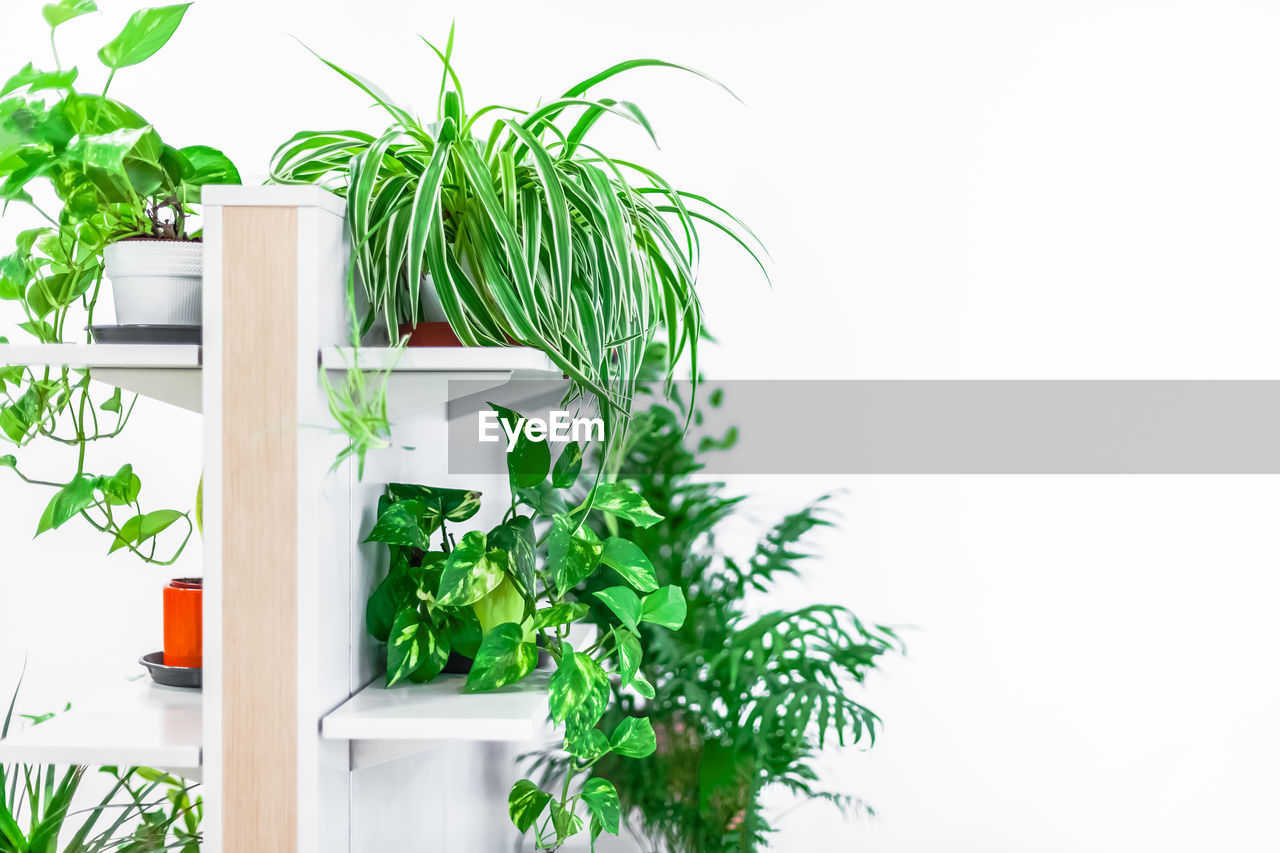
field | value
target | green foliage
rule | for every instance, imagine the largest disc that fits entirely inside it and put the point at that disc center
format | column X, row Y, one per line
column 530, row 234
column 526, row 803
column 112, row 177
column 145, row 33
column 144, row 810
column 496, row 596
column 504, row 658
column 359, row 408
column 731, row 704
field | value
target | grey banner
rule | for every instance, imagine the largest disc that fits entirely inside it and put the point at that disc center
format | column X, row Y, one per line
column 804, row 427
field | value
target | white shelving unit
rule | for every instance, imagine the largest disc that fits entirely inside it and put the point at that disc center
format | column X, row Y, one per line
column 169, row 373
column 298, row 746
column 383, row 724
column 138, row 724
column 428, row 376
column 106, row 356
column 172, row 373
column 465, row 361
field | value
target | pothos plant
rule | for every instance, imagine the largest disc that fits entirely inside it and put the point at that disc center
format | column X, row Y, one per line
column 497, row 595
column 744, row 700
column 529, row 233
column 96, row 172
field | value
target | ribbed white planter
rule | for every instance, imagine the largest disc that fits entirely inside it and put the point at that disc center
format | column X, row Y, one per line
column 156, row 282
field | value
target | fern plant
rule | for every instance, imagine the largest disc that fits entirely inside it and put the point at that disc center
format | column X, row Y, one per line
column 530, row 234
column 742, row 704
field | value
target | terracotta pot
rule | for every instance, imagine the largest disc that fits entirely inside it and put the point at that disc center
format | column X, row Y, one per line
column 183, row 623
column 429, row 335
column 437, row 335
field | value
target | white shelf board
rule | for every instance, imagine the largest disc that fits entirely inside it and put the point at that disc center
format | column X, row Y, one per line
column 155, row 356
column 384, row 723
column 138, row 724
column 272, row 196
column 419, row 377
column 441, row 359
column 166, row 372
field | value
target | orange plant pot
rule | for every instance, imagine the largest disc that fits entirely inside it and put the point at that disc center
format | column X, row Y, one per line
column 183, row 623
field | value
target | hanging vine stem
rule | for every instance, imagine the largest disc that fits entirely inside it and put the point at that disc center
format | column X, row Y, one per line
column 138, row 186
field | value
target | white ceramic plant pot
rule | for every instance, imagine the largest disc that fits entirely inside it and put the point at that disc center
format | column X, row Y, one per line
column 156, row 282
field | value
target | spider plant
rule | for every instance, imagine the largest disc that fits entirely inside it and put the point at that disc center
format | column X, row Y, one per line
column 529, row 234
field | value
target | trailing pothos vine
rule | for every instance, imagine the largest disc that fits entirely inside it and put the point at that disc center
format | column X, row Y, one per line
column 499, row 595
column 111, row 177
column 745, row 700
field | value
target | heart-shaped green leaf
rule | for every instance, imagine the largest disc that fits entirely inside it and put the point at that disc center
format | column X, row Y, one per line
column 451, row 504
column 566, row 823
column 395, row 593
column 36, row 80
column 403, row 523
column 121, row 489
column 624, row 502
column 113, row 405
column 634, row 738
column 504, row 604
column 140, row 528
column 627, row 559
column 504, row 658
column 624, row 604
column 587, row 744
column 529, row 461
column 471, row 572
column 665, row 607
column 416, row 651
column 518, row 539
column 146, row 32
column 526, row 803
column 579, row 691
column 67, row 503
column 572, row 554
column 641, row 685
column 203, row 166
column 57, row 14
column 630, row 654
column 568, row 466
column 602, row 800
column 107, row 151
column 559, row 614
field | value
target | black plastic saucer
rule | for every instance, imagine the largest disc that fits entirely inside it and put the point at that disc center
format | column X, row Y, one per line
column 172, row 676
column 147, row 334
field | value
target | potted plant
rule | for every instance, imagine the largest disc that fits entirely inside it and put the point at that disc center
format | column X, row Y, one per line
column 497, row 595
column 742, row 702
column 184, row 623
column 524, row 232
column 121, row 193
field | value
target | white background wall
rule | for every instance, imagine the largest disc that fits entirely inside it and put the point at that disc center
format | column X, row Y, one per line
column 1019, row 189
